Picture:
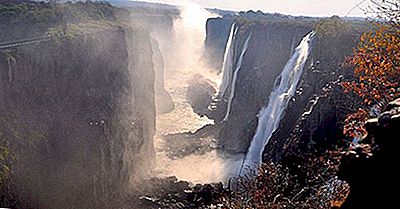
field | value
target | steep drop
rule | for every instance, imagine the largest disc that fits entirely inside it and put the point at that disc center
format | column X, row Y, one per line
column 235, row 76
column 228, row 62
column 284, row 89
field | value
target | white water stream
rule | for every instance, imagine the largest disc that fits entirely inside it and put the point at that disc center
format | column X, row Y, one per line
column 284, row 89
column 235, row 76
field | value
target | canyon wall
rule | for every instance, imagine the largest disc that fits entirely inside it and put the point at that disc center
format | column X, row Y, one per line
column 78, row 115
column 160, row 24
column 318, row 102
column 217, row 33
column 313, row 119
column 269, row 49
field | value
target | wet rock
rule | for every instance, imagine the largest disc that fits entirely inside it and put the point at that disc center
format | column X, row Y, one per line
column 392, row 112
column 217, row 36
column 171, row 193
column 266, row 56
column 394, row 104
column 76, row 120
column 200, row 94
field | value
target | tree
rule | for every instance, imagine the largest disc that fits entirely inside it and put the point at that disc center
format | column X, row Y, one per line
column 388, row 10
column 376, row 63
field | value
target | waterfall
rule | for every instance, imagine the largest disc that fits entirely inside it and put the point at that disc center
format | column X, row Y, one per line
column 235, row 75
column 228, row 62
column 284, row 89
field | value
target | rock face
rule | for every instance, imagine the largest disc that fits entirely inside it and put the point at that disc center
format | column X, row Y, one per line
column 79, row 115
column 178, row 194
column 160, row 24
column 314, row 127
column 164, row 102
column 199, row 94
column 269, row 49
column 318, row 102
column 217, row 30
column 377, row 173
column 312, row 120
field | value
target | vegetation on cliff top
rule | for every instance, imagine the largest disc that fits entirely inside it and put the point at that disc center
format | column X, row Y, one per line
column 341, row 34
column 29, row 12
column 331, row 27
column 376, row 63
column 251, row 18
column 19, row 19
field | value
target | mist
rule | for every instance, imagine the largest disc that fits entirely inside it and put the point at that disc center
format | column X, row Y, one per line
column 136, row 105
column 183, row 64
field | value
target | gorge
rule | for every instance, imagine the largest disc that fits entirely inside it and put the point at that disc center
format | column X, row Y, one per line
column 127, row 104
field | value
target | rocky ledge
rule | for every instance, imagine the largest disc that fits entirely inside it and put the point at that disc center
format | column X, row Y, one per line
column 200, row 94
column 372, row 164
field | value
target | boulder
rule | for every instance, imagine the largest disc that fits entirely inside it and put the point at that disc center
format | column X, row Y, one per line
column 200, row 94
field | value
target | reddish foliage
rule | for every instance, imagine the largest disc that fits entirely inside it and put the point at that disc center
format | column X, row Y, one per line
column 354, row 124
column 308, row 183
column 377, row 75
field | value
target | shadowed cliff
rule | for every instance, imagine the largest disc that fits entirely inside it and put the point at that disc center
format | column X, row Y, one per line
column 78, row 115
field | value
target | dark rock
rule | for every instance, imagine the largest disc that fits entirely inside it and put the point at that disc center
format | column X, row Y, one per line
column 384, row 118
column 217, row 30
column 269, row 49
column 321, row 128
column 393, row 104
column 171, row 193
column 316, row 131
column 373, row 176
column 79, row 116
column 200, row 94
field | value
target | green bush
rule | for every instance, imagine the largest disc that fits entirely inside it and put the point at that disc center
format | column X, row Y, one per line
column 31, row 13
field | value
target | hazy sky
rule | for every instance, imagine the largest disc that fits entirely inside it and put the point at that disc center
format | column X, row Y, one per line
column 293, row 7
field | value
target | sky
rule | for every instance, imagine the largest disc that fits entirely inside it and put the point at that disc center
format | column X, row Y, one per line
column 291, row 7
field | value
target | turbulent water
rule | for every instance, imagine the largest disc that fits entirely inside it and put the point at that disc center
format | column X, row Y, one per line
column 284, row 89
column 196, row 168
column 235, row 76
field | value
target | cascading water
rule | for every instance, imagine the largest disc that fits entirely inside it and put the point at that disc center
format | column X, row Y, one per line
column 228, row 61
column 235, row 75
column 284, row 89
